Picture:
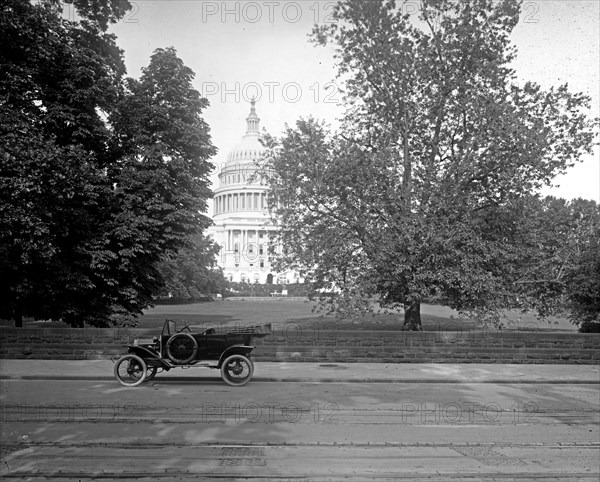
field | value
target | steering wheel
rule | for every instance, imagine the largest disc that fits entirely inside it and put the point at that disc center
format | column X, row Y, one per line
column 185, row 325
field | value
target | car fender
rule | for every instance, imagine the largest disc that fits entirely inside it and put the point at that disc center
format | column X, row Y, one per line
column 149, row 355
column 235, row 350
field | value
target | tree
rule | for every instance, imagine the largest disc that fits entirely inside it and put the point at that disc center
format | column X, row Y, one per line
column 160, row 181
column 583, row 286
column 100, row 178
column 582, row 277
column 193, row 272
column 57, row 79
column 564, row 257
column 421, row 193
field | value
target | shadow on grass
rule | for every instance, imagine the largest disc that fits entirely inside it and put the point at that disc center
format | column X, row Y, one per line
column 382, row 323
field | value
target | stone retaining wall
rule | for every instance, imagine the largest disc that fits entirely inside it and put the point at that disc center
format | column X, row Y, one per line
column 331, row 346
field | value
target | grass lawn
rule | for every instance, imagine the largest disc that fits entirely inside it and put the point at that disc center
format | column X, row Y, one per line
column 281, row 311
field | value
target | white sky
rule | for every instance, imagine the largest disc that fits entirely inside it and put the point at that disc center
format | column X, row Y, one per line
column 243, row 48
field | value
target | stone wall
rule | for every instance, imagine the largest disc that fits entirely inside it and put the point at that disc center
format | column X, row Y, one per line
column 537, row 346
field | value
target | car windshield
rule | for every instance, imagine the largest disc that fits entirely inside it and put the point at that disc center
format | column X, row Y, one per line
column 169, row 328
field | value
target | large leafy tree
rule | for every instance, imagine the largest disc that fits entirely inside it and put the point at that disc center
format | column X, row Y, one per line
column 161, row 179
column 99, row 178
column 165, row 145
column 421, row 194
column 58, row 79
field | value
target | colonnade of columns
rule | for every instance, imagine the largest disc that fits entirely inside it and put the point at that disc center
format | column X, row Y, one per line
column 243, row 201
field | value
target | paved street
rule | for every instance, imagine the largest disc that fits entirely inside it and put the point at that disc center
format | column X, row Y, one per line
column 73, row 421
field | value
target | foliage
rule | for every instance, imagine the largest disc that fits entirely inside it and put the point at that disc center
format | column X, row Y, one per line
column 421, row 194
column 589, row 327
column 192, row 273
column 562, row 257
column 161, row 178
column 57, row 78
column 582, row 280
column 265, row 290
column 99, row 178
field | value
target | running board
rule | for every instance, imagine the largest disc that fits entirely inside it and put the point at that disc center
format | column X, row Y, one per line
column 188, row 365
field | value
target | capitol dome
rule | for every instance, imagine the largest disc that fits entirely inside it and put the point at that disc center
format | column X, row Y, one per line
column 249, row 149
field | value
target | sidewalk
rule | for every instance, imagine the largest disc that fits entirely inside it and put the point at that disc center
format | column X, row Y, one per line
column 323, row 372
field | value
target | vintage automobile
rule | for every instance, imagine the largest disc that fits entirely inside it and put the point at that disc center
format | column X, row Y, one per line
column 228, row 351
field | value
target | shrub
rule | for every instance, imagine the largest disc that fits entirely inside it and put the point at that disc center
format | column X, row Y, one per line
column 589, row 327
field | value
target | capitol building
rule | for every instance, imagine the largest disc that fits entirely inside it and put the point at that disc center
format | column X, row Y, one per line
column 242, row 226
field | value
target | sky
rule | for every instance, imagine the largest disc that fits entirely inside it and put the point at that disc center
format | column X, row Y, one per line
column 240, row 49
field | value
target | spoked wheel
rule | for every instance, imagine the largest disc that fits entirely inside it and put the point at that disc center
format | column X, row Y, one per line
column 130, row 370
column 150, row 373
column 237, row 370
column 182, row 348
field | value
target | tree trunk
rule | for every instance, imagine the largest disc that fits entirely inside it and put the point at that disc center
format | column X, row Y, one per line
column 412, row 316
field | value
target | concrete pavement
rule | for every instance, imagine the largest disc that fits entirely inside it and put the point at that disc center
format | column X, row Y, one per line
column 71, row 420
column 324, row 372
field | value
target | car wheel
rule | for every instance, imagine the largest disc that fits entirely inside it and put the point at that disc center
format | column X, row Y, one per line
column 130, row 370
column 237, row 370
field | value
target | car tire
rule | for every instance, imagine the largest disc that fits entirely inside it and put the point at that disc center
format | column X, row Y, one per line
column 237, row 370
column 130, row 370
